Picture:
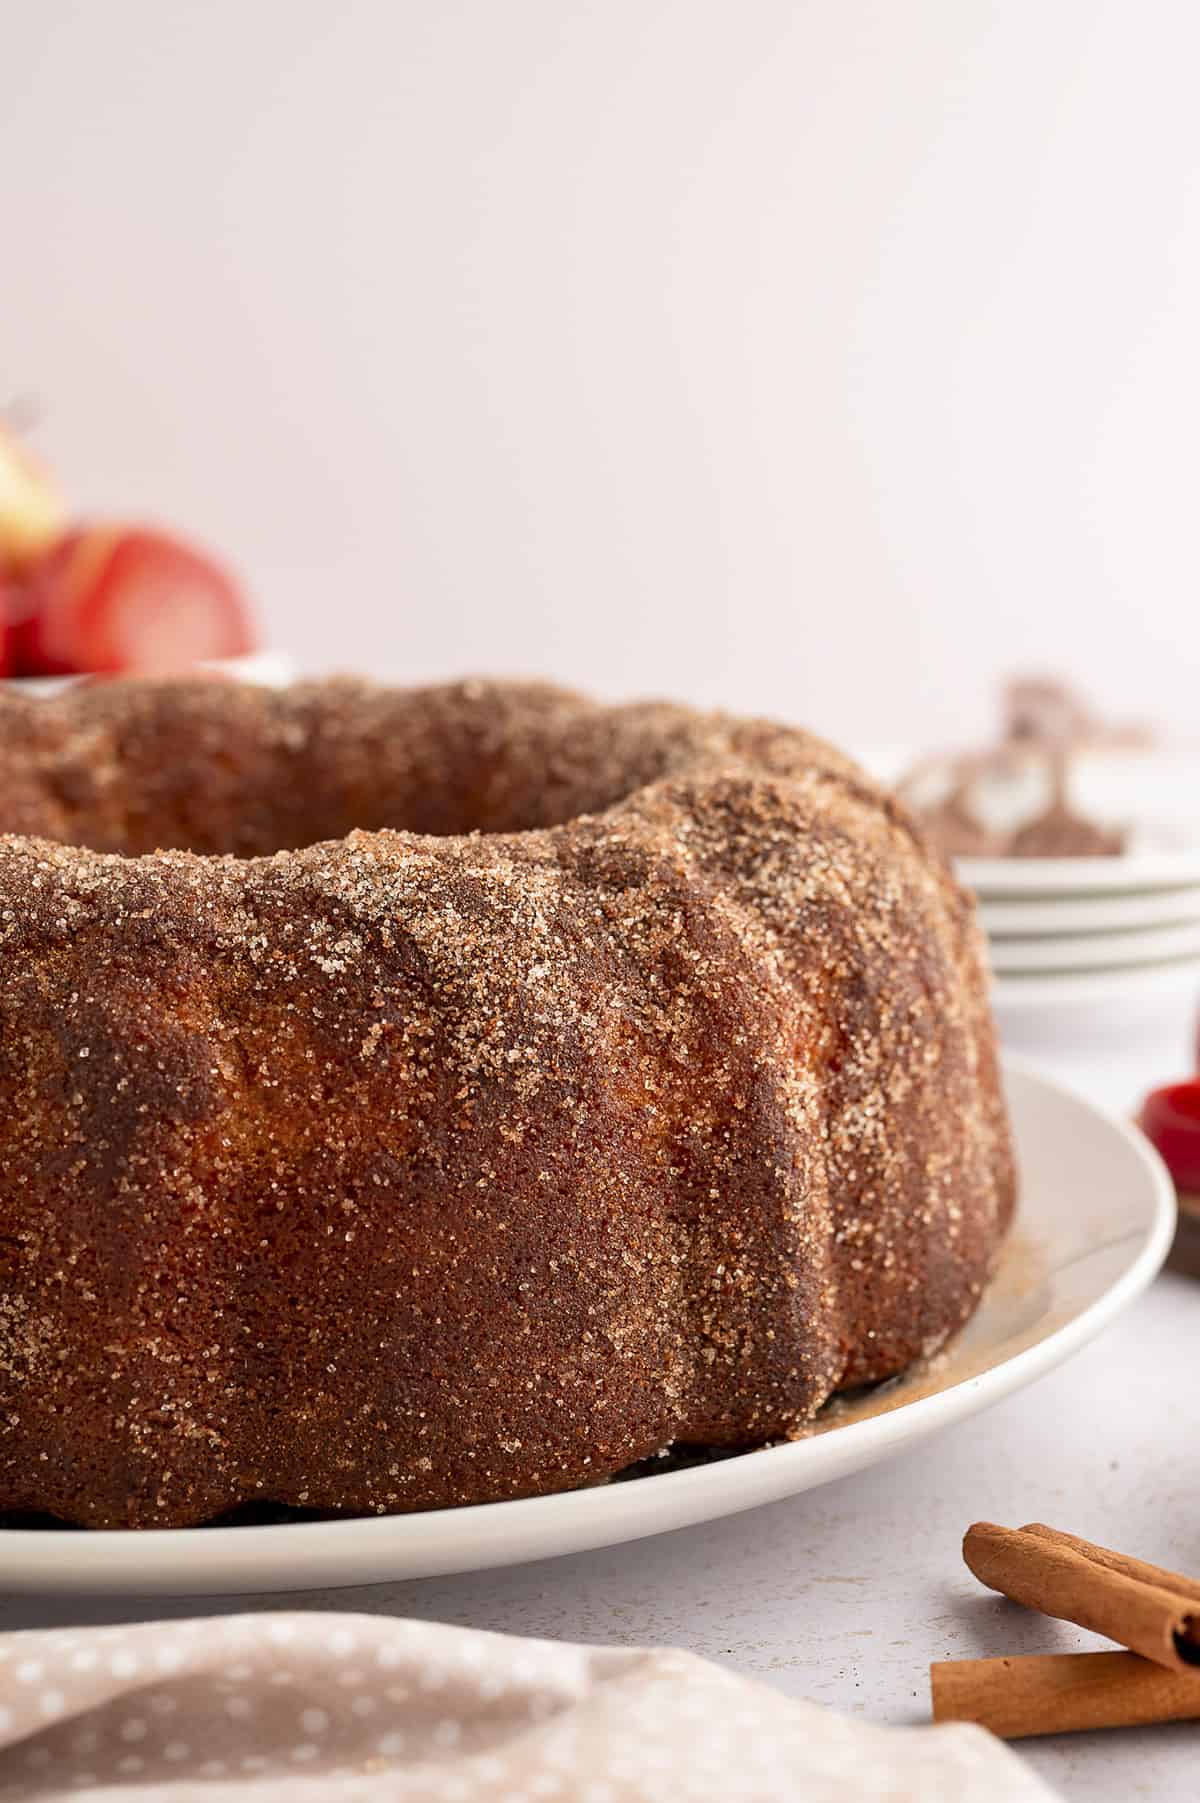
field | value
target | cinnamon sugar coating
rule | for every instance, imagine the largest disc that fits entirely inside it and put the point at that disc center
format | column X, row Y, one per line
column 590, row 1079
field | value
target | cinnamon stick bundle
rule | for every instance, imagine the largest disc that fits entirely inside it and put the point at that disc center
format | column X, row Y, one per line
column 1152, row 1611
column 1059, row 1693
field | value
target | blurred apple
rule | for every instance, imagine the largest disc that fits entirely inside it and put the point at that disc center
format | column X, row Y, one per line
column 32, row 514
column 127, row 598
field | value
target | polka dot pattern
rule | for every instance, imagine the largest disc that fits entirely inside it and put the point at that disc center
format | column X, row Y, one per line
column 280, row 1708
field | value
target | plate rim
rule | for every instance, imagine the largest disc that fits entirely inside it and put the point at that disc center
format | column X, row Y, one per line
column 1147, row 982
column 189, row 1561
column 1006, row 917
column 268, row 665
column 1063, row 879
column 1067, row 952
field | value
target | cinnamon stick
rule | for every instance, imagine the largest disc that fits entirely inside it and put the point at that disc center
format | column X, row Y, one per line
column 1144, row 1607
column 1059, row 1693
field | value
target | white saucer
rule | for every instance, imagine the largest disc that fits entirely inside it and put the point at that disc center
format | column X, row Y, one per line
column 1076, row 878
column 1125, row 983
column 1096, row 1219
column 1094, row 951
column 1004, row 917
column 1153, row 793
column 271, row 668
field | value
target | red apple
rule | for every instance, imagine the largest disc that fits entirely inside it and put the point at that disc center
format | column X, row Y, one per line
column 1170, row 1119
column 31, row 510
column 128, row 598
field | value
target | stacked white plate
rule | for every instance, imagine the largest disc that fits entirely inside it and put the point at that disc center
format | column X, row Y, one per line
column 1092, row 936
column 1090, row 929
column 1093, row 929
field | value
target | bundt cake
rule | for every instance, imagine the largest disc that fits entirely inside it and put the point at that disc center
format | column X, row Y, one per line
column 429, row 1097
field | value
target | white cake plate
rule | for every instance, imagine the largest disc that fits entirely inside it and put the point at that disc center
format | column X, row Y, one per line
column 1096, row 1219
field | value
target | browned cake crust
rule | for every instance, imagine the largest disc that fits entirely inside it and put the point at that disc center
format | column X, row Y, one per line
column 653, row 1099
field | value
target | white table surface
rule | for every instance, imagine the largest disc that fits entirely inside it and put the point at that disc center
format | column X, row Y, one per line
column 845, row 1594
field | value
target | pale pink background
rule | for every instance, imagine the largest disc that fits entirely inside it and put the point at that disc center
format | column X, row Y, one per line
column 823, row 358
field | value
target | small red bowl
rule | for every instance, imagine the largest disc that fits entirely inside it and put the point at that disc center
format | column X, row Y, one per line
column 1170, row 1119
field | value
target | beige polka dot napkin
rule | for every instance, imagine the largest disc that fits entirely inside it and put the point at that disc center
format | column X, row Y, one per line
column 303, row 1708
